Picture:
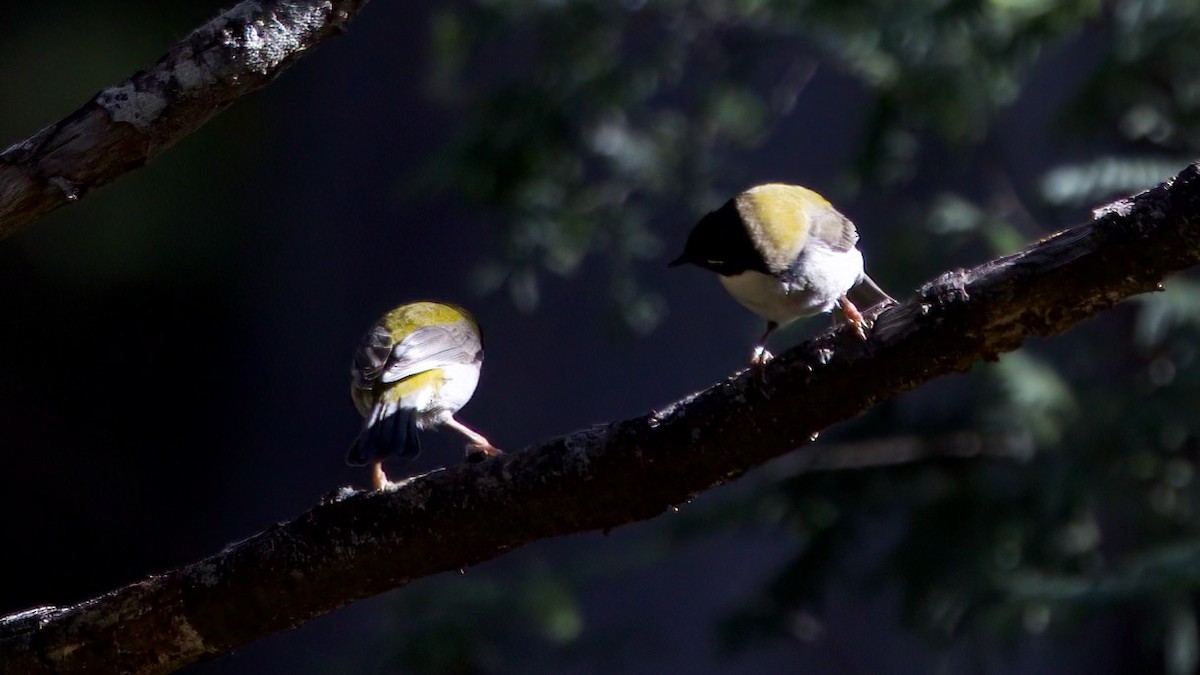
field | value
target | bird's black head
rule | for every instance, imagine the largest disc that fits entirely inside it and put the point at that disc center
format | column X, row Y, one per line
column 720, row 243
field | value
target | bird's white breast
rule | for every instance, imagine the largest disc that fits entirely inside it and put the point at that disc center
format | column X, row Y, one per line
column 826, row 276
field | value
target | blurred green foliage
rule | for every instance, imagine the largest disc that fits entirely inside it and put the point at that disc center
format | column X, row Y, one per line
column 487, row 623
column 587, row 120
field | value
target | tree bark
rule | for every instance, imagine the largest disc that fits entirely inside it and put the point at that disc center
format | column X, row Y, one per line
column 128, row 124
column 359, row 544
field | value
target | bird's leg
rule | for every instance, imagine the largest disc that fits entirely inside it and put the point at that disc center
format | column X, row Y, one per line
column 853, row 317
column 478, row 442
column 761, row 355
column 379, row 479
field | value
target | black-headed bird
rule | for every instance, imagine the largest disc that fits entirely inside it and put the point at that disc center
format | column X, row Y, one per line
column 784, row 253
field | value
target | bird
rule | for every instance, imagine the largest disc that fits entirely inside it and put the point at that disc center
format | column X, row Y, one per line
column 413, row 370
column 784, row 252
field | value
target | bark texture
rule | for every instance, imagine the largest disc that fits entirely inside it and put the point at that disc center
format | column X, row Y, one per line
column 360, row 544
column 126, row 125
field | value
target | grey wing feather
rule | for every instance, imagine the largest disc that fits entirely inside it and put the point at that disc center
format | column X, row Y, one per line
column 430, row 347
column 371, row 356
column 834, row 229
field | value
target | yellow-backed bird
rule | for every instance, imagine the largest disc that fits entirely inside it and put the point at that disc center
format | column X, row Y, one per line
column 415, row 368
column 784, row 253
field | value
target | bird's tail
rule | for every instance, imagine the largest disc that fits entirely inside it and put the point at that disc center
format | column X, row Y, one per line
column 866, row 294
column 390, row 430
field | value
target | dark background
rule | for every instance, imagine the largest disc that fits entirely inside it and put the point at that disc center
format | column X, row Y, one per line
column 174, row 349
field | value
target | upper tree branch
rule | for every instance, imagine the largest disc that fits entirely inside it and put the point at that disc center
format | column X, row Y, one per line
column 596, row 479
column 126, row 125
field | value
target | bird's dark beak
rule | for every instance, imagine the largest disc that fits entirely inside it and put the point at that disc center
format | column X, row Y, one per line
column 681, row 260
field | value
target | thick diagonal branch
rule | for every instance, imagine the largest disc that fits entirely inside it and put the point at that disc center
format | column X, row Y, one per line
column 128, row 124
column 365, row 543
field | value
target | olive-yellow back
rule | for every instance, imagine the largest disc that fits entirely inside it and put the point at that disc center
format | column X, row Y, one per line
column 781, row 219
column 404, row 319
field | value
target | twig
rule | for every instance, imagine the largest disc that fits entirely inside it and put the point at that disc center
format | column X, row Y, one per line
column 130, row 123
column 892, row 450
column 1132, row 576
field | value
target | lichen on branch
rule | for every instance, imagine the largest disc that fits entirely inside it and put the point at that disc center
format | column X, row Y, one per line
column 128, row 124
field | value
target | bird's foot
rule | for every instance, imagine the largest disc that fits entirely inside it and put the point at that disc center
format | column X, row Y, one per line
column 479, row 447
column 477, row 452
column 758, row 364
column 379, row 479
column 760, row 357
column 854, row 317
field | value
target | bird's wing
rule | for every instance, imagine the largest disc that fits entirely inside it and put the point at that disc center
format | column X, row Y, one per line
column 428, row 347
column 831, row 231
column 371, row 356
column 834, row 229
